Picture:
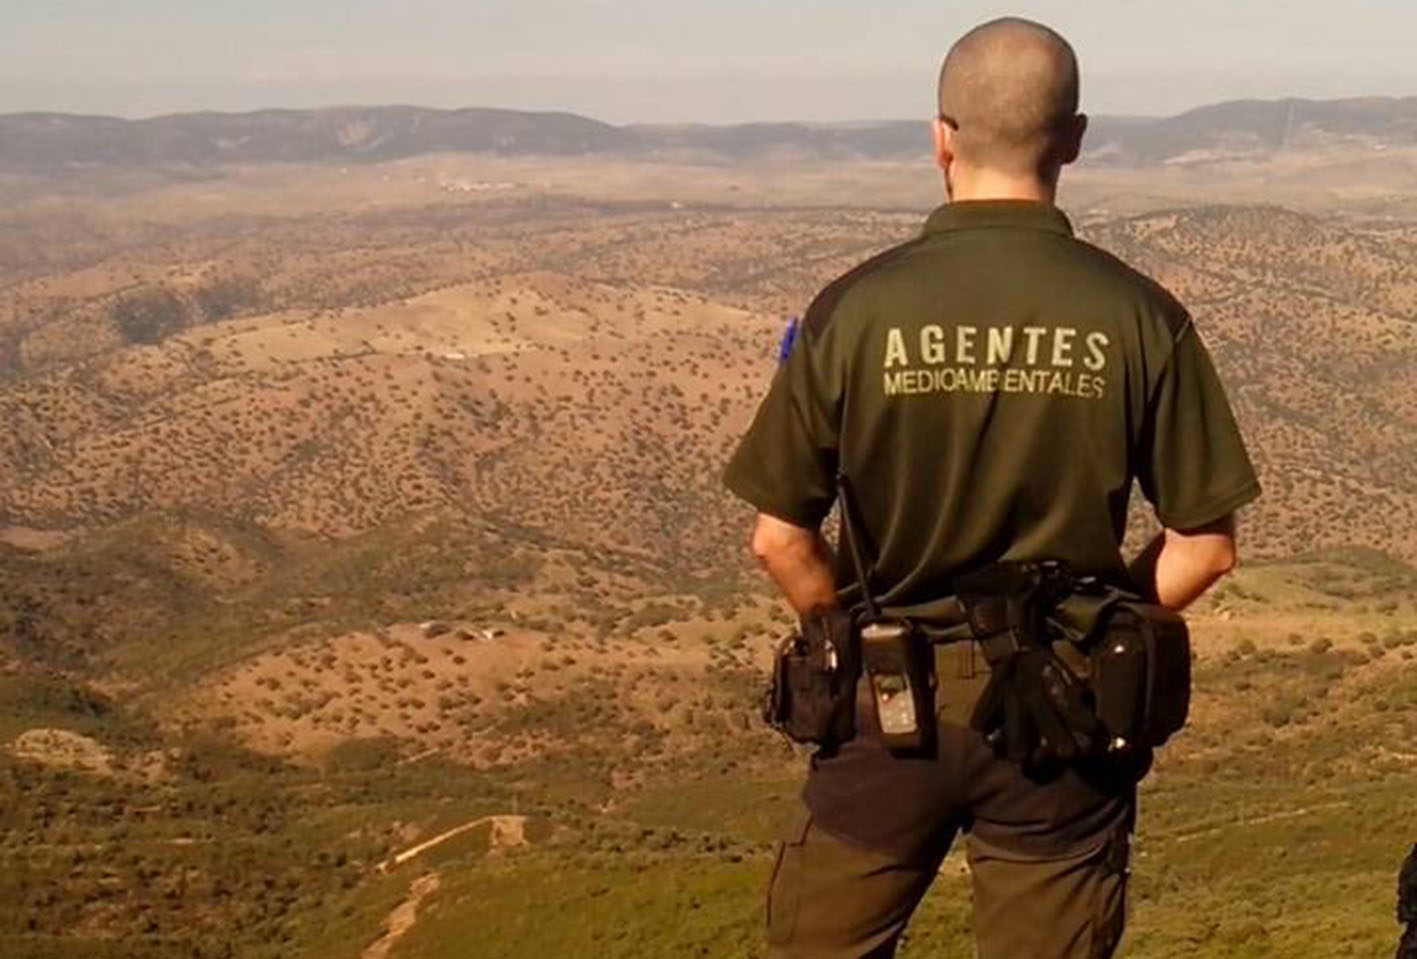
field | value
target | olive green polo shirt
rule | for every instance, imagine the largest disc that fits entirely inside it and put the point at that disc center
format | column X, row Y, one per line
column 993, row 388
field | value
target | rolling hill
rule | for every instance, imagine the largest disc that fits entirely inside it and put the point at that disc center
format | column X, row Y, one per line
column 54, row 144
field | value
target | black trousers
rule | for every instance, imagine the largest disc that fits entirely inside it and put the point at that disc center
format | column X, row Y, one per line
column 1048, row 855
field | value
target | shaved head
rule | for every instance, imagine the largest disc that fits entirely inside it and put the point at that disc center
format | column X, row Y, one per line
column 1009, row 88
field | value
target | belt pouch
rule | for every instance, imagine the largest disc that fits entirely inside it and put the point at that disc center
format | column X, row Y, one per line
column 812, row 695
column 1141, row 675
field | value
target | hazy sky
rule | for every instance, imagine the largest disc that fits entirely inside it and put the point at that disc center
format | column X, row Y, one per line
column 670, row 60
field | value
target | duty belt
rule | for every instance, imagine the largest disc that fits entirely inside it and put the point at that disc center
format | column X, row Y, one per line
column 1075, row 617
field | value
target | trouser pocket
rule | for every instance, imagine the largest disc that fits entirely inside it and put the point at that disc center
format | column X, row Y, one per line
column 784, row 897
column 1059, row 907
column 1115, row 870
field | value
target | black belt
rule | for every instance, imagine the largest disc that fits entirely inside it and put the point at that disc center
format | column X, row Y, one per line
column 939, row 621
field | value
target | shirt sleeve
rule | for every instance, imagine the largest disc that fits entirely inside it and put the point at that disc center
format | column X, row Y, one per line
column 1193, row 466
column 785, row 465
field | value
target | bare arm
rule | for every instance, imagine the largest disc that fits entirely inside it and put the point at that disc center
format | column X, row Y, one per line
column 798, row 560
column 1178, row 566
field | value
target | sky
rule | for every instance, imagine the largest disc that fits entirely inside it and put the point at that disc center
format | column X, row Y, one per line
column 715, row 61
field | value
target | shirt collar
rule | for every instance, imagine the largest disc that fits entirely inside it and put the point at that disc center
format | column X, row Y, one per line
column 994, row 214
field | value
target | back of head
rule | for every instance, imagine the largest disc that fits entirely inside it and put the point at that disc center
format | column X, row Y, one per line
column 1010, row 89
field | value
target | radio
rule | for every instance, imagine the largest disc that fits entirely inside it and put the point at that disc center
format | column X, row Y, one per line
column 891, row 655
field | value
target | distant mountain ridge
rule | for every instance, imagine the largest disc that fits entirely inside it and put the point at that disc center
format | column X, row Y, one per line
column 50, row 143
column 47, row 142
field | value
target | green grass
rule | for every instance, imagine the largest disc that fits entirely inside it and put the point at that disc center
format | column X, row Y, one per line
column 1243, row 869
column 641, row 906
column 747, row 809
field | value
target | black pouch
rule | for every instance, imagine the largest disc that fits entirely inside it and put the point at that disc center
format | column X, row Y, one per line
column 1140, row 665
column 812, row 697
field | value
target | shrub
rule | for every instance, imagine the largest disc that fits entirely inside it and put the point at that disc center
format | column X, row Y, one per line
column 149, row 316
column 363, row 755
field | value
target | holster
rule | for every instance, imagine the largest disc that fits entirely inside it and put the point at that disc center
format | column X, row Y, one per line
column 1135, row 667
column 1035, row 709
column 812, row 696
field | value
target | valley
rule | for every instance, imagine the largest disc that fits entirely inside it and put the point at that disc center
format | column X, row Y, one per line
column 364, row 559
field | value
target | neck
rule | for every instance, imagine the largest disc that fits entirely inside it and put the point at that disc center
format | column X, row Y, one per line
column 964, row 183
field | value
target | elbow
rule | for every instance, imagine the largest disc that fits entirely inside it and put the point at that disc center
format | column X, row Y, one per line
column 1224, row 560
column 1209, row 550
column 1220, row 556
column 765, row 546
column 762, row 548
column 773, row 539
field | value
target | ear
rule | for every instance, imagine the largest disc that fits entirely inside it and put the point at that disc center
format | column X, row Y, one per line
column 944, row 137
column 1072, row 145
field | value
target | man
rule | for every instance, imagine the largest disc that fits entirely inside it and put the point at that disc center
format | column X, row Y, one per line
column 992, row 389
column 1407, row 906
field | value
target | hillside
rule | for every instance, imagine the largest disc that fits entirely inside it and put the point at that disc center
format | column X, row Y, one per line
column 578, row 371
column 367, row 587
